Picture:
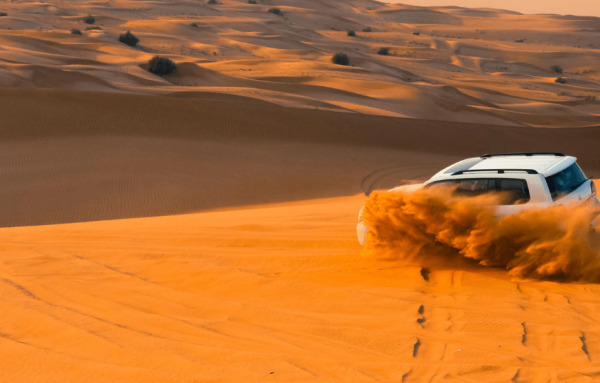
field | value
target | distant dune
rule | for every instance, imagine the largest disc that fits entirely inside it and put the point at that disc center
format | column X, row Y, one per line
column 448, row 63
column 68, row 156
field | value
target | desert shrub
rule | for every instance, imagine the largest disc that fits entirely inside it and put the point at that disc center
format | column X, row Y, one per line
column 129, row 38
column 161, row 66
column 351, row 33
column 251, row 1
column 417, row 33
column 195, row 25
column 560, row 80
column 89, row 19
column 556, row 69
column 276, row 11
column 75, row 31
column 340, row 59
column 383, row 51
column 367, row 29
column 3, row 14
column 94, row 28
column 212, row 2
column 520, row 41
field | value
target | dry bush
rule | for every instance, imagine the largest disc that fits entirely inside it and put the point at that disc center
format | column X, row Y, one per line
column 383, row 51
column 161, row 66
column 129, row 38
column 340, row 59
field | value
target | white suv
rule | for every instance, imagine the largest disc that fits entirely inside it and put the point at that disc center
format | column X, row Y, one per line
column 527, row 179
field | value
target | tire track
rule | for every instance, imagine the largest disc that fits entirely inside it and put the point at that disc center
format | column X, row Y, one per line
column 584, row 347
column 425, row 273
column 416, row 347
column 422, row 319
column 515, row 377
column 406, row 375
column 21, row 289
column 368, row 182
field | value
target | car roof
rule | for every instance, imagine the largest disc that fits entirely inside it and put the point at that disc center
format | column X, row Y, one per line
column 544, row 164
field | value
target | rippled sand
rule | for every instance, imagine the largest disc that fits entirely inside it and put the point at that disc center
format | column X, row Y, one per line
column 452, row 64
column 200, row 227
column 272, row 293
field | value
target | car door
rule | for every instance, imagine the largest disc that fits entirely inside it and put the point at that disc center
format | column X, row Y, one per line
column 515, row 196
column 577, row 196
column 569, row 186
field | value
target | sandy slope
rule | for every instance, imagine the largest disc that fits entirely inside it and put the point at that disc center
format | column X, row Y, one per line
column 256, row 114
column 233, row 296
column 75, row 156
column 470, row 65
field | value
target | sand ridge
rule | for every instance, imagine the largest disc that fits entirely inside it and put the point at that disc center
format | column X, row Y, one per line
column 445, row 63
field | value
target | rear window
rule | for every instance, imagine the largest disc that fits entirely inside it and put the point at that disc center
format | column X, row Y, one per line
column 561, row 184
column 514, row 191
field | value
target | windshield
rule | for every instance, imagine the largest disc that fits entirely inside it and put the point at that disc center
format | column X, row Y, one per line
column 562, row 183
column 513, row 191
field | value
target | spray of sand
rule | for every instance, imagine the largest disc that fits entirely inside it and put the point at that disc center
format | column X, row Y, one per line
column 551, row 243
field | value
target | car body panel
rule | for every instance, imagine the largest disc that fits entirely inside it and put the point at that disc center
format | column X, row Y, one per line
column 361, row 233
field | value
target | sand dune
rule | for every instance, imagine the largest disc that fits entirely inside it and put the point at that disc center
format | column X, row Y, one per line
column 276, row 293
column 70, row 156
column 199, row 227
column 240, row 49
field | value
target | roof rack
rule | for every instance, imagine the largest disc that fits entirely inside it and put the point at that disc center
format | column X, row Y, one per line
column 500, row 171
column 524, row 154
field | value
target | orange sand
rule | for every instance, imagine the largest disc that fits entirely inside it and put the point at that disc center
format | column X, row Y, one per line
column 174, row 279
column 233, row 296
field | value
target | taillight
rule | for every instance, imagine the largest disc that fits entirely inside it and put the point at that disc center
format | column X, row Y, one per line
column 593, row 187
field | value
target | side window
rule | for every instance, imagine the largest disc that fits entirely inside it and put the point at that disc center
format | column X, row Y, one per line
column 474, row 187
column 514, row 192
column 562, row 183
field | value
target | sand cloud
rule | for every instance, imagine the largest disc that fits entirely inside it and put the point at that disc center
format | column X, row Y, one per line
column 429, row 226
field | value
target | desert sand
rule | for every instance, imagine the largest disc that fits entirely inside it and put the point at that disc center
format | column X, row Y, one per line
column 445, row 63
column 200, row 227
column 276, row 293
column 82, row 156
